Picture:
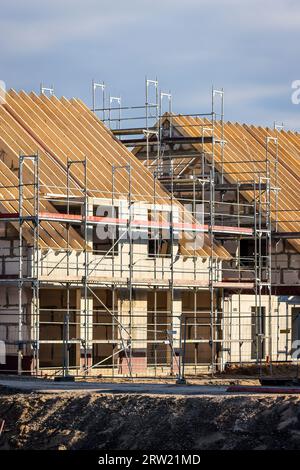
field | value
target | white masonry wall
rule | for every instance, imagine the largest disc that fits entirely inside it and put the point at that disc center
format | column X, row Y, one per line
column 9, row 317
column 238, row 329
column 53, row 263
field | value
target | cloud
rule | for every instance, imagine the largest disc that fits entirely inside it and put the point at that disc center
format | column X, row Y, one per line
column 46, row 31
column 255, row 92
column 241, row 95
column 248, row 47
column 32, row 26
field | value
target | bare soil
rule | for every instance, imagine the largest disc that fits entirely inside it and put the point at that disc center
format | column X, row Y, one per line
column 236, row 374
column 107, row 422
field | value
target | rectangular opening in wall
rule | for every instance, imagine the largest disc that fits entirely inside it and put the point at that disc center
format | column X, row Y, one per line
column 258, row 331
column 158, row 323
column 196, row 331
column 52, row 328
column 159, row 243
column 247, row 252
column 74, row 209
column 105, row 329
column 105, row 237
column 295, row 329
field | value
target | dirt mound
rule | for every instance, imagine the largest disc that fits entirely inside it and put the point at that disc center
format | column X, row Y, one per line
column 276, row 369
column 93, row 421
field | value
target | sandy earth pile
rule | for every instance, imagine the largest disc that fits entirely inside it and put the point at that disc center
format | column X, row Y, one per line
column 94, row 421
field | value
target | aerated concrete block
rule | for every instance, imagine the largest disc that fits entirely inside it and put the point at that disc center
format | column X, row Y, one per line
column 5, row 247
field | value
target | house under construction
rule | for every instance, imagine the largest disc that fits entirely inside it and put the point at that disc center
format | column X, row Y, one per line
column 163, row 249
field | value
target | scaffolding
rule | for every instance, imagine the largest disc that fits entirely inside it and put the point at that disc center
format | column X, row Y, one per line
column 160, row 156
column 177, row 337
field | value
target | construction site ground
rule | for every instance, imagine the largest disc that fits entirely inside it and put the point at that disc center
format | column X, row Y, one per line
column 96, row 414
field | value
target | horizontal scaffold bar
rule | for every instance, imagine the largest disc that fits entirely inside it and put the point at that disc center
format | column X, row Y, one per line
column 286, row 235
column 101, row 281
column 122, row 222
column 171, row 140
column 131, row 131
column 140, row 282
column 187, row 186
column 138, row 224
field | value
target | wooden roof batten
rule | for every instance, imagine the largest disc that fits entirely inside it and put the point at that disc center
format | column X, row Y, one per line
column 243, row 159
column 61, row 130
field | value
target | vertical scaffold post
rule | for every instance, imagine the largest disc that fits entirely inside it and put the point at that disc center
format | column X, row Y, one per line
column 86, row 264
column 36, row 248
column 211, row 238
column 220, row 93
column 46, row 90
column 34, row 219
column 173, row 358
column 66, row 361
column 268, row 211
column 118, row 100
column 167, row 96
column 256, row 273
column 148, row 115
column 102, row 87
column 127, row 344
column 130, row 218
column 20, row 281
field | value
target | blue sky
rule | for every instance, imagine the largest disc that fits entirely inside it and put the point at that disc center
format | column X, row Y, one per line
column 251, row 48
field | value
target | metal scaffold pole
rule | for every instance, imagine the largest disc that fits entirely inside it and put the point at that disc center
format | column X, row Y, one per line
column 211, row 238
column 86, row 313
column 37, row 262
column 86, row 268
column 33, row 219
column 220, row 94
column 130, row 218
column 20, row 282
column 126, row 345
column 95, row 87
column 271, row 185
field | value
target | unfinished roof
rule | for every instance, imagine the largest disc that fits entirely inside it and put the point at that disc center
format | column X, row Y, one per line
column 244, row 159
column 61, row 129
